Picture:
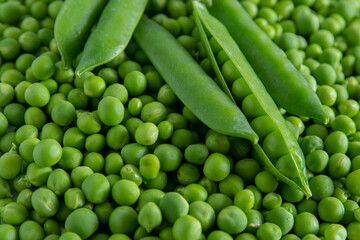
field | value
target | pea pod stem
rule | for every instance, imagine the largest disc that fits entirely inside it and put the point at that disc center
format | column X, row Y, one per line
column 282, row 80
column 218, row 31
column 190, row 83
column 112, row 33
column 73, row 24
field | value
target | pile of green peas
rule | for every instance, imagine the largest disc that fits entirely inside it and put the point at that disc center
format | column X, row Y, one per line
column 115, row 155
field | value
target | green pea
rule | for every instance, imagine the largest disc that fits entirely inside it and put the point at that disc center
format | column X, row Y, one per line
column 7, row 94
column 9, row 232
column 95, row 143
column 147, row 134
column 14, row 213
column 113, row 163
column 150, row 216
column 166, row 96
column 96, row 188
column 247, row 169
column 79, row 174
column 71, row 158
column 269, row 231
column 291, row 194
column 118, row 91
column 74, row 198
column 94, row 86
column 88, row 122
column 74, row 137
column 232, row 220
column 125, row 192
column 37, row 175
column 31, row 230
column 63, row 113
column 335, row 231
column 173, row 206
column 336, row 142
column 9, row 48
column 83, row 222
column 123, row 219
column 149, row 166
column 26, row 149
column 5, row 189
column 282, row 218
column 321, row 186
column 305, row 223
column 43, row 67
column 266, row 182
column 45, row 202
column 331, row 209
column 10, row 164
column 274, row 145
column 154, row 112
column 339, row 165
column 24, row 198
column 344, row 124
column 110, row 111
column 47, row 152
column 188, row 173
column 69, row 236
column 216, row 167
column 244, row 199
column 132, row 173
column 103, row 212
column 169, row 155
column 59, row 181
column 35, row 116
column 203, row 212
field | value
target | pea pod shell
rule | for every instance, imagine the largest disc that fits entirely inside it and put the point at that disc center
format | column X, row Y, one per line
column 112, row 33
column 190, row 83
column 282, row 80
column 218, row 31
column 73, row 24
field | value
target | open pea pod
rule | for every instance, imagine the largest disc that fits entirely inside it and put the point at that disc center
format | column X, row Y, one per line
column 112, row 33
column 190, row 83
column 73, row 24
column 278, row 147
column 283, row 81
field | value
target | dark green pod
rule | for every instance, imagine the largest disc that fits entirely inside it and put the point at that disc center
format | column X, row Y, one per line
column 282, row 80
column 190, row 83
column 112, row 33
column 73, row 24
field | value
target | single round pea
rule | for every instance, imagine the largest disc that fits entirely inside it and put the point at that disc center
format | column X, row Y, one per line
column 306, row 223
column 218, row 234
column 169, row 156
column 244, row 199
column 331, row 209
column 45, row 202
column 74, row 198
column 110, row 111
column 173, row 206
column 79, row 174
column 216, row 167
column 344, row 124
column 135, row 82
column 351, row 182
column 203, row 212
column 31, row 230
column 63, row 113
column 88, row 122
column 125, row 192
column 247, row 169
column 35, row 116
column 83, row 222
column 75, row 138
column 14, row 213
column 232, row 220
column 94, row 86
column 118, row 91
column 123, row 219
column 150, row 216
column 43, row 67
column 37, row 95
column 47, row 152
column 266, row 182
column 96, row 188
column 9, row 232
column 186, row 227
column 149, row 166
column 146, row 134
column 95, row 143
column 317, row 161
column 154, row 112
column 269, row 231
column 336, row 142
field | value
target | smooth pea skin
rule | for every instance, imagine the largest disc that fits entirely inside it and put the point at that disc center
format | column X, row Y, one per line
column 83, row 222
column 123, row 219
column 8, row 232
column 203, row 212
column 31, row 230
column 269, row 231
column 96, row 188
column 125, row 192
column 110, row 111
column 147, row 133
column 216, row 167
column 187, row 228
column 232, row 220
column 173, row 206
column 150, row 216
column 47, row 152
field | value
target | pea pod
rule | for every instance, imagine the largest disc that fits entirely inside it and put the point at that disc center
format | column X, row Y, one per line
column 190, row 83
column 282, row 80
column 282, row 153
column 112, row 33
column 73, row 24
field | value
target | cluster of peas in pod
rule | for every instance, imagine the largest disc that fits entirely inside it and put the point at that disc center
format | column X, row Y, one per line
column 114, row 154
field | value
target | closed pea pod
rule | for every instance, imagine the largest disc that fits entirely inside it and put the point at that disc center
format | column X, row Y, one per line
column 126, row 15
column 287, row 161
column 73, row 24
column 286, row 85
column 156, row 42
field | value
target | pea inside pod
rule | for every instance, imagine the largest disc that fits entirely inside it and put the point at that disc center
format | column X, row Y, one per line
column 278, row 147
